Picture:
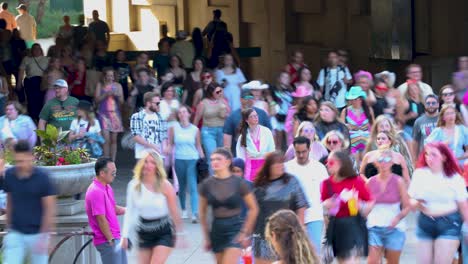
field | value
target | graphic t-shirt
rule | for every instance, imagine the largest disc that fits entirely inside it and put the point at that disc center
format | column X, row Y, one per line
column 422, row 128
column 60, row 113
column 151, row 127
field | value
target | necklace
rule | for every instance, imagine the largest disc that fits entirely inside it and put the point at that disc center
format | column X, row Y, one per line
column 255, row 135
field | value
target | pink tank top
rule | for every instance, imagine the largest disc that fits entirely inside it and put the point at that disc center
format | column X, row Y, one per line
column 390, row 195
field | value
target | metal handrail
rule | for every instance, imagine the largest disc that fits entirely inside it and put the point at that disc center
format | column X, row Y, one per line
column 67, row 235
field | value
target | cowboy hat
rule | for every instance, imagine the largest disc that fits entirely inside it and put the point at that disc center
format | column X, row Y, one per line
column 355, row 92
column 255, row 85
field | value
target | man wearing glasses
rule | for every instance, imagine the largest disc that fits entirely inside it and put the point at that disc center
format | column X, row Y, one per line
column 102, row 213
column 424, row 125
column 148, row 128
column 59, row 111
column 414, row 72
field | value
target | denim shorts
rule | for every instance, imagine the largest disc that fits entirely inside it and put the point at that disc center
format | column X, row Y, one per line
column 388, row 238
column 446, row 227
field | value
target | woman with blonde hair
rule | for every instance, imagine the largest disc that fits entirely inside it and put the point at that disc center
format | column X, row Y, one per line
column 385, row 124
column 287, row 237
column 451, row 131
column 317, row 150
column 385, row 140
column 152, row 210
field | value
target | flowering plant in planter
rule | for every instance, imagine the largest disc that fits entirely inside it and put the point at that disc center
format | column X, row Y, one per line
column 55, row 149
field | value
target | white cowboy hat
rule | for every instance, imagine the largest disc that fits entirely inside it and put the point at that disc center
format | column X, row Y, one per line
column 255, row 85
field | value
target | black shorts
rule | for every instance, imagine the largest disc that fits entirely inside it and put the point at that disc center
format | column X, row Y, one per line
column 348, row 236
column 224, row 232
column 156, row 232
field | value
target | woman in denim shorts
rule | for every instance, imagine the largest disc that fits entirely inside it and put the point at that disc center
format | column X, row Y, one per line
column 386, row 230
column 438, row 192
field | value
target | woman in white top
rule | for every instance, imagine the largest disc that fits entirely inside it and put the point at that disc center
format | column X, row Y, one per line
column 438, row 191
column 85, row 130
column 152, row 211
column 254, row 142
column 231, row 77
column 169, row 103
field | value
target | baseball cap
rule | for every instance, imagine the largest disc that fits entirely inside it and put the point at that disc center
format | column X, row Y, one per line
column 246, row 94
column 22, row 6
column 61, row 83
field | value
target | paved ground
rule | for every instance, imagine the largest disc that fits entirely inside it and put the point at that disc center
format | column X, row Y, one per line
column 195, row 254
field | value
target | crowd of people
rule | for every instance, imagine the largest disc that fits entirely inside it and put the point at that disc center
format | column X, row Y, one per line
column 348, row 154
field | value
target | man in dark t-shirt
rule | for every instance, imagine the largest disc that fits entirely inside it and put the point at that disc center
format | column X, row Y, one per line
column 232, row 123
column 99, row 28
column 30, row 208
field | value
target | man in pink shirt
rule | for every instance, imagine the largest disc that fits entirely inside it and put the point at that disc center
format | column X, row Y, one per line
column 102, row 213
column 9, row 17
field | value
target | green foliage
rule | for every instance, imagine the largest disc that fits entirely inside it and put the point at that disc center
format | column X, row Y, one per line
column 54, row 150
column 52, row 19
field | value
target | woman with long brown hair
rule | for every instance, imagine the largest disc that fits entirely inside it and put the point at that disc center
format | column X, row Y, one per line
column 274, row 190
column 287, row 237
column 348, row 201
column 254, row 142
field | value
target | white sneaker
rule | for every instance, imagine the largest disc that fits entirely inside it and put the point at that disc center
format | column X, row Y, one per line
column 194, row 219
column 184, row 214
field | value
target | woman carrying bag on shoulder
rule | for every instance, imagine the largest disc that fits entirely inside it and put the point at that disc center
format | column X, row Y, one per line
column 185, row 143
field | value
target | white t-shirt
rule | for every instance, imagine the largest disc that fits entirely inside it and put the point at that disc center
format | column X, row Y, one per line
column 166, row 109
column 311, row 177
column 441, row 193
column 83, row 124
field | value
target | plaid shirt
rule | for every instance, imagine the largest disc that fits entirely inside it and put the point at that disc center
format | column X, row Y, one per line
column 152, row 132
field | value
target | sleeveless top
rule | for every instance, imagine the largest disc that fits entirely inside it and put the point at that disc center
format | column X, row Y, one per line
column 185, row 142
column 213, row 113
column 150, row 205
column 391, row 193
column 387, row 203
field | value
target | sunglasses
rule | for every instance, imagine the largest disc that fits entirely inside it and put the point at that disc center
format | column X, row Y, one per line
column 333, row 142
column 431, row 103
column 448, row 94
column 308, row 130
column 384, row 159
column 382, row 88
column 248, row 97
column 218, row 92
column 156, row 103
column 204, row 77
column 330, row 163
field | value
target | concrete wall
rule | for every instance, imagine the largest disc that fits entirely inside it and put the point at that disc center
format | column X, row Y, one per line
column 314, row 26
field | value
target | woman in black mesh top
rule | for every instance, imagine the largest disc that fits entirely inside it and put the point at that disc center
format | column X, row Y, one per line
column 225, row 194
column 274, row 190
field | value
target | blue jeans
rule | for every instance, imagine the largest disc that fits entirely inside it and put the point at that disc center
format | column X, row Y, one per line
column 112, row 255
column 186, row 171
column 315, row 232
column 212, row 138
column 18, row 245
column 432, row 228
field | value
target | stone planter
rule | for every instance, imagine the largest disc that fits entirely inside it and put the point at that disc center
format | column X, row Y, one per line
column 70, row 180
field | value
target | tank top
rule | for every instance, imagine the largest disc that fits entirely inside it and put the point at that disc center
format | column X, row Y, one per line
column 391, row 194
column 213, row 114
column 387, row 203
column 150, row 205
column 185, row 142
